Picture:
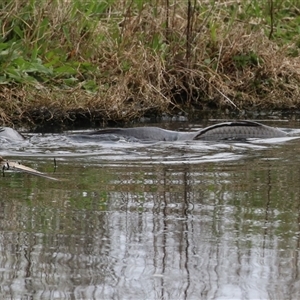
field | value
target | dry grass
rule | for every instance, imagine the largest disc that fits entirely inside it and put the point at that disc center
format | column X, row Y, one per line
column 142, row 58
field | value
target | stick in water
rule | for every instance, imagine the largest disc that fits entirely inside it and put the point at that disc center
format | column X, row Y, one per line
column 9, row 165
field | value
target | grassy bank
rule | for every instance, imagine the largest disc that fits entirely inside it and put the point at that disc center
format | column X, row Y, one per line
column 64, row 62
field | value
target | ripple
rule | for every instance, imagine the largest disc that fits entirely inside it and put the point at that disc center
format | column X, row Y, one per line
column 178, row 152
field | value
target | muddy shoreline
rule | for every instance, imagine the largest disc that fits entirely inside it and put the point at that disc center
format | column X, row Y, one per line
column 47, row 120
column 40, row 111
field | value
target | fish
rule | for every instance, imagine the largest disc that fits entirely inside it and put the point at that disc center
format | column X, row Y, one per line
column 236, row 130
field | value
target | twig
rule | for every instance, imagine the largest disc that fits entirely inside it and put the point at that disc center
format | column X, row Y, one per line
column 230, row 101
column 271, row 6
column 167, row 23
column 188, row 33
column 55, row 164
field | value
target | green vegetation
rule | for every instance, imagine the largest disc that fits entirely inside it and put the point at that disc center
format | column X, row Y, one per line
column 64, row 61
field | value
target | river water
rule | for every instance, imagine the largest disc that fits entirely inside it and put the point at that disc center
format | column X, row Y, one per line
column 181, row 220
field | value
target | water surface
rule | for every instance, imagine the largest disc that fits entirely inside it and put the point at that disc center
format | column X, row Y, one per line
column 182, row 220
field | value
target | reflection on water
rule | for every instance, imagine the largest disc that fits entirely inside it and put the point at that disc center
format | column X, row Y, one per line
column 166, row 221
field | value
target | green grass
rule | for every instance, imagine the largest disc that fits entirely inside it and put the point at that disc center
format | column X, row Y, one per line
column 119, row 60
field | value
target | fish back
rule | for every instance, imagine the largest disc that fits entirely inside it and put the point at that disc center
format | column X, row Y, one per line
column 238, row 130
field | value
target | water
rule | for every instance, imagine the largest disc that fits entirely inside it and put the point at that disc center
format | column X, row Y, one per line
column 186, row 220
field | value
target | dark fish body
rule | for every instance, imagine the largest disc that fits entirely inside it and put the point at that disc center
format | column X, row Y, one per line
column 237, row 130
column 146, row 133
column 224, row 131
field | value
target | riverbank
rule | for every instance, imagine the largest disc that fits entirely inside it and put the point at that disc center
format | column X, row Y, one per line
column 89, row 63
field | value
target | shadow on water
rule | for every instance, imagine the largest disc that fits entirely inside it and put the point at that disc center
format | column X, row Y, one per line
column 184, row 220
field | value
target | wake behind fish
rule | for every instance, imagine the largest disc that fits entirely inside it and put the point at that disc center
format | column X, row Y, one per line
column 121, row 149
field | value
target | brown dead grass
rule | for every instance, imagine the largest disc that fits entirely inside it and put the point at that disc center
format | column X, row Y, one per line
column 192, row 68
